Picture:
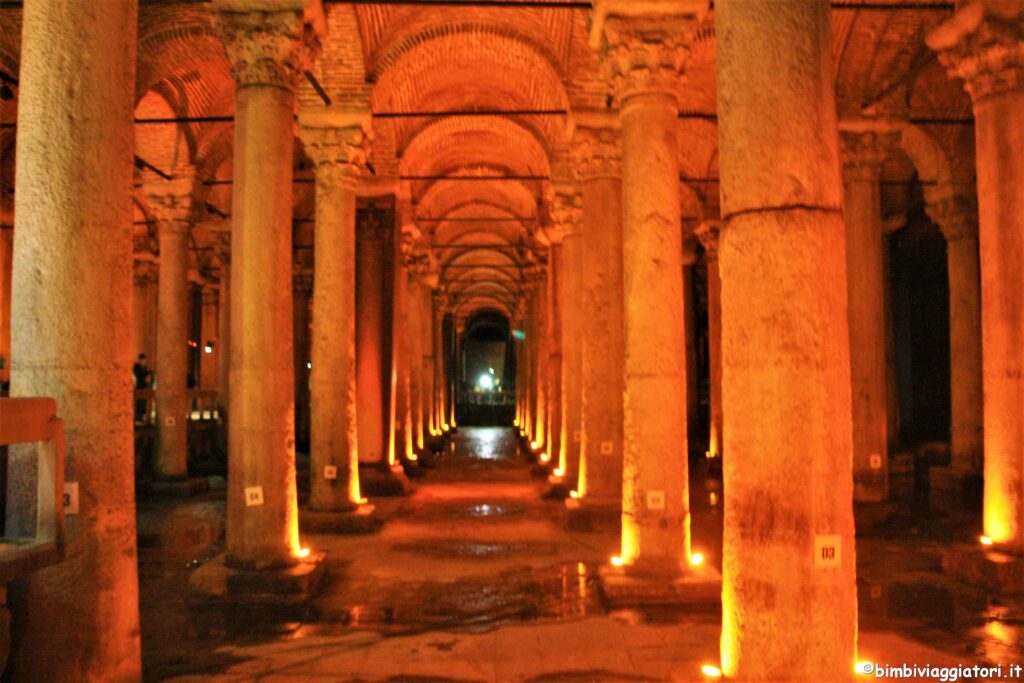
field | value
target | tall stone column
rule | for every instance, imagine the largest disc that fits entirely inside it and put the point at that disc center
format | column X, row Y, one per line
column 71, row 332
column 567, row 216
column 599, row 163
column 957, row 218
column 171, row 203
column 267, row 51
column 371, row 238
column 644, row 54
column 302, row 305
column 864, row 149
column 708, row 233
column 336, row 142
column 224, row 324
column 427, row 358
column 415, row 332
column 553, row 350
column 789, row 594
column 986, row 50
column 540, row 314
column 437, row 307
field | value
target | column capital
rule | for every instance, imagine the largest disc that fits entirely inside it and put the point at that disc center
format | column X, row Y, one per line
column 170, row 200
column 337, row 141
column 269, row 44
column 644, row 44
column 983, row 44
column 597, row 147
column 144, row 272
column 863, row 149
column 956, row 217
column 707, row 232
column 566, row 213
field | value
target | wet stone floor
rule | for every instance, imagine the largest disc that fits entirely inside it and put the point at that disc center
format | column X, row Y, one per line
column 474, row 578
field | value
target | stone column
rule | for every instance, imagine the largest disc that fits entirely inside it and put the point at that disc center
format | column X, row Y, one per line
column 986, row 51
column 371, row 238
column 336, row 142
column 864, row 148
column 707, row 233
column 644, row 54
column 789, row 594
column 539, row 315
column 567, row 215
column 171, row 203
column 224, row 324
column 208, row 325
column 437, row 308
column 415, row 335
column 427, row 358
column 71, row 332
column 267, row 51
column 302, row 300
column 553, row 351
column 144, row 306
column 957, row 218
column 599, row 163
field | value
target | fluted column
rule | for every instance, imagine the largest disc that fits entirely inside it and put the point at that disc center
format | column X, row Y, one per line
column 708, row 233
column 789, row 593
column 567, row 217
column 957, row 218
column 644, row 51
column 171, row 204
column 863, row 149
column 987, row 51
column 599, row 164
column 267, row 51
column 77, row 621
column 336, row 142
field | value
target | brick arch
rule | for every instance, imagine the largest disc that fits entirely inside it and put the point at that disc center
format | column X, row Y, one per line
column 471, row 134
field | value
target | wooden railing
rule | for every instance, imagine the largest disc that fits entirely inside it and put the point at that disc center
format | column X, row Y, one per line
column 35, row 421
column 202, row 406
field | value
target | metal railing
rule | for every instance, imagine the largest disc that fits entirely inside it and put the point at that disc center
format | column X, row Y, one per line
column 25, row 421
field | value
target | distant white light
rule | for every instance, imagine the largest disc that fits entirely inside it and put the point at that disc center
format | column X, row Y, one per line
column 309, row 366
column 486, row 382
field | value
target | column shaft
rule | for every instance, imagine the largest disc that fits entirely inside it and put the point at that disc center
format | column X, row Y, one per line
column 172, row 352
column 553, row 352
column 789, row 598
column 369, row 341
column 223, row 349
column 572, row 356
column 965, row 353
column 71, row 332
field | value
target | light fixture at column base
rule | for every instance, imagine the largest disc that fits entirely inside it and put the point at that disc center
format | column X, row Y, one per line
column 700, row 588
column 216, row 583
column 362, row 520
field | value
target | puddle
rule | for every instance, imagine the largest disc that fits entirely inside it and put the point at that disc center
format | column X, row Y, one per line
column 452, row 549
column 487, row 510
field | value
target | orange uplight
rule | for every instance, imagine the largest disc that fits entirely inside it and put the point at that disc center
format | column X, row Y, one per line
column 985, row 540
column 713, row 499
column 558, row 472
column 304, row 552
column 534, row 445
column 696, row 559
column 545, row 458
column 574, row 494
column 362, row 501
column 711, row 671
column 412, row 457
column 617, row 561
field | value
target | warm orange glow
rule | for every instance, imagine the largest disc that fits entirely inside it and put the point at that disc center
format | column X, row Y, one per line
column 711, row 671
column 558, row 472
column 985, row 540
column 713, row 499
column 617, row 561
column 534, row 445
column 362, row 501
column 863, row 668
column 574, row 494
column 412, row 457
column 696, row 559
column 544, row 458
column 304, row 552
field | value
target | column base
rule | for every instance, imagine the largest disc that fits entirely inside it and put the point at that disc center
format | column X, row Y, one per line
column 583, row 516
column 376, row 482
column 700, row 589
column 953, row 491
column 176, row 488
column 215, row 582
column 362, row 520
column 991, row 570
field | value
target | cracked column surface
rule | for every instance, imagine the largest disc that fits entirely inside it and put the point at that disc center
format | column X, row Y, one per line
column 336, row 141
column 267, row 51
column 171, row 203
column 599, row 160
column 863, row 153
column 789, row 594
column 644, row 53
column 982, row 44
column 71, row 333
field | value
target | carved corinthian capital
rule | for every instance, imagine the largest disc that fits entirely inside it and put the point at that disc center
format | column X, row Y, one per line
column 596, row 147
column 864, row 151
column 566, row 214
column 268, row 48
column 984, row 46
column 170, row 200
column 337, row 142
column 644, row 45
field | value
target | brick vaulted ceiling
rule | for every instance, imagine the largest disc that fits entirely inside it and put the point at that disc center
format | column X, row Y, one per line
column 402, row 58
